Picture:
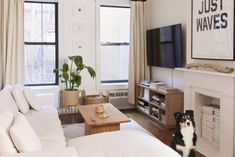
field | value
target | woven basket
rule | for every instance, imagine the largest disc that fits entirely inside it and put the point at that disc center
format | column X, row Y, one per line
column 95, row 99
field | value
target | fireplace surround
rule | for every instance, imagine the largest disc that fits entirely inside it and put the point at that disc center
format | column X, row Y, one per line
column 221, row 87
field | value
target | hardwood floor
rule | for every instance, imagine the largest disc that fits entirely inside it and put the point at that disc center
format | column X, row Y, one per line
column 71, row 118
column 165, row 135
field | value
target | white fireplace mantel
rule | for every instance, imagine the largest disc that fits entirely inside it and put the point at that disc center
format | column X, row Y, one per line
column 206, row 72
column 218, row 85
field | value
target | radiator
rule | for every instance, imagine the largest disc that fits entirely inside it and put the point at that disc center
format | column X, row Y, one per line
column 119, row 99
column 69, row 110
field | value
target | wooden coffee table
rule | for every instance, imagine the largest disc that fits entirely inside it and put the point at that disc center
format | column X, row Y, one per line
column 94, row 124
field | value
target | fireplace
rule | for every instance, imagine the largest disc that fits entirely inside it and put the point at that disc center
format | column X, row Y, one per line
column 212, row 97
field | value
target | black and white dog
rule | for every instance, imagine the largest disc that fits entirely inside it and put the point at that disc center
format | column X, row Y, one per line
column 184, row 141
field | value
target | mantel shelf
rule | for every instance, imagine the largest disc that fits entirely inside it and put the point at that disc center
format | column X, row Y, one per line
column 206, row 72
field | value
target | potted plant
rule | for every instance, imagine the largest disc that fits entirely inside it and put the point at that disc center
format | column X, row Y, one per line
column 71, row 77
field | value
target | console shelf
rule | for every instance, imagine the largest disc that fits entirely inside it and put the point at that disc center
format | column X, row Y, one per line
column 162, row 109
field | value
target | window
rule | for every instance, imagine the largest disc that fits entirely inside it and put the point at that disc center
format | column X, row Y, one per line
column 114, row 51
column 41, row 43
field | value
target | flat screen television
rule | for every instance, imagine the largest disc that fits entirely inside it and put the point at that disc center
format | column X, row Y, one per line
column 164, row 47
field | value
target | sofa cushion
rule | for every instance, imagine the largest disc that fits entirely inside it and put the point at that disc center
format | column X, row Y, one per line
column 23, row 136
column 48, row 127
column 6, row 119
column 32, row 99
column 46, row 112
column 6, row 144
column 48, row 144
column 7, row 101
column 19, row 97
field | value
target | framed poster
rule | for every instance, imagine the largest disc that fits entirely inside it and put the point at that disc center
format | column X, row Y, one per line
column 212, row 26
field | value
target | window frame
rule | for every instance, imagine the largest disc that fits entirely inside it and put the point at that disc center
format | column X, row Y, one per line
column 56, row 43
column 107, row 82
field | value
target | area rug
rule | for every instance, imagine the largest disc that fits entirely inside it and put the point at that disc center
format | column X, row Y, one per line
column 77, row 130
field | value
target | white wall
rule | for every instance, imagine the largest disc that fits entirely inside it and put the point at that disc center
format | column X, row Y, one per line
column 163, row 13
column 81, row 29
column 189, row 60
column 167, row 12
column 77, row 35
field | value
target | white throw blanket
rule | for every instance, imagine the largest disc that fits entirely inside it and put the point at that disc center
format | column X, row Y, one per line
column 126, row 143
column 77, row 130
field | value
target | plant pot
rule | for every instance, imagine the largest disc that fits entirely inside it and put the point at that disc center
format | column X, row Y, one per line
column 70, row 98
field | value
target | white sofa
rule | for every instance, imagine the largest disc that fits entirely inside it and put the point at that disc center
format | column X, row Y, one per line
column 46, row 124
column 48, row 127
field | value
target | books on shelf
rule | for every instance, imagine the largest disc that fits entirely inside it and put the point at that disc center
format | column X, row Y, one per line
column 151, row 83
column 155, row 112
column 163, row 118
column 166, row 89
column 156, row 85
column 158, row 98
column 141, row 103
column 156, row 102
column 146, row 94
column 145, row 83
column 163, row 104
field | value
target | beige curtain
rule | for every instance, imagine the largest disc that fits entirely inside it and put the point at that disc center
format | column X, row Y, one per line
column 138, row 69
column 11, row 41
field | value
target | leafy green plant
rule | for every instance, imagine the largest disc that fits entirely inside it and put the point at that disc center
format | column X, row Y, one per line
column 70, row 76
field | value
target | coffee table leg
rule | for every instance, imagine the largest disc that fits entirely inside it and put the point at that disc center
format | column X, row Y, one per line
column 87, row 129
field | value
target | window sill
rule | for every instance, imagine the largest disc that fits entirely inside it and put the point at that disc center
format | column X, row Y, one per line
column 50, row 87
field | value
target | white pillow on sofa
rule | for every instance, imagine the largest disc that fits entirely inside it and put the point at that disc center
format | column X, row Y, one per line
column 9, row 87
column 7, row 101
column 23, row 136
column 19, row 97
column 6, row 119
column 32, row 99
column 6, row 144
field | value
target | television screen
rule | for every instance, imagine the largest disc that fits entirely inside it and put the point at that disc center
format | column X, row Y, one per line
column 164, row 47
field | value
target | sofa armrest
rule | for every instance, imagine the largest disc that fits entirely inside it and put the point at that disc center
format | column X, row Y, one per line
column 65, row 152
